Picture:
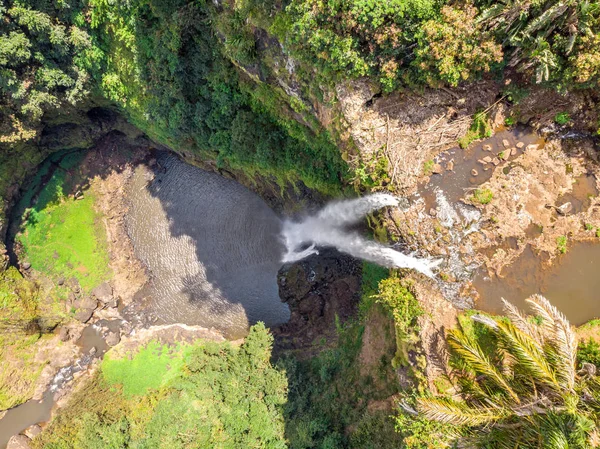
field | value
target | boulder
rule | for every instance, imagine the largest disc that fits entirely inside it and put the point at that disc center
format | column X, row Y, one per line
column 19, row 442
column 26, row 265
column 104, row 293
column 113, row 338
column 64, row 334
column 33, row 431
column 89, row 303
column 564, row 209
column 84, row 315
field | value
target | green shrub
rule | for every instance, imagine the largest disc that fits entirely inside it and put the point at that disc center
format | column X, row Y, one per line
column 562, row 118
column 454, row 48
column 561, row 244
column 482, row 196
column 479, row 129
column 589, row 352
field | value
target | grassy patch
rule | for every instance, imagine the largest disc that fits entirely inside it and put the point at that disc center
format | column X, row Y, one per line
column 481, row 128
column 482, row 196
column 152, row 367
column 63, row 236
column 561, row 244
column 372, row 274
column 562, row 118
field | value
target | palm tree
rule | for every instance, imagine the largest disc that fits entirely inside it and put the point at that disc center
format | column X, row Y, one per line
column 523, row 390
column 539, row 32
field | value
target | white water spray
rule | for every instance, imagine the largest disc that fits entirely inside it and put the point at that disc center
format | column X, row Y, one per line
column 326, row 228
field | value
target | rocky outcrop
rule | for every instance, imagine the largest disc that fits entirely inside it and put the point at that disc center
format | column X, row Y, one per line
column 317, row 289
column 19, row 442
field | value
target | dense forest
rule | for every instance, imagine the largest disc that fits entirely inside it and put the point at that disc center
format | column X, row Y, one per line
column 250, row 86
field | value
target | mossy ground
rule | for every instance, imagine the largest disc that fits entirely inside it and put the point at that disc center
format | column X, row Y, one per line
column 62, row 235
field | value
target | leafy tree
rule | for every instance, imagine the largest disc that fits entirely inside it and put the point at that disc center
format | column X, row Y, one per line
column 43, row 48
column 523, row 390
column 454, row 48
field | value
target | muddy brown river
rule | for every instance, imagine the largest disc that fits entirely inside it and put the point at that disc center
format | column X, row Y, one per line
column 211, row 247
column 571, row 284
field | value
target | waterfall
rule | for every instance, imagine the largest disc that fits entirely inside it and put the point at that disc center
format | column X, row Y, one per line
column 328, row 228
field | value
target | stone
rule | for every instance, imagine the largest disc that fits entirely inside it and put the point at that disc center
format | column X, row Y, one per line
column 89, row 303
column 433, row 212
column 84, row 315
column 564, row 209
column 103, row 292
column 513, row 151
column 113, row 338
column 450, row 166
column 487, row 159
column 481, row 161
column 532, row 147
column 487, row 148
column 520, row 144
column 474, row 172
column 495, row 161
column 19, row 442
column 33, row 431
column 437, row 169
column 506, row 143
column 26, row 265
column 61, row 281
column 64, row 334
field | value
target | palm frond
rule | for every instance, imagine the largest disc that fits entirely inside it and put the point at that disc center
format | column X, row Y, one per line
column 473, row 355
column 546, row 20
column 522, row 322
column 562, row 338
column 528, row 354
column 458, row 413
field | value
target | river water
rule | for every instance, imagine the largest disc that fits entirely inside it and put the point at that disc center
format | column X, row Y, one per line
column 211, row 246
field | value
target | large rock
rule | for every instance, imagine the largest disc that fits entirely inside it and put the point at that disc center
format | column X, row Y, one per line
column 103, row 293
column 318, row 289
column 19, row 442
column 113, row 338
column 33, row 431
column 84, row 315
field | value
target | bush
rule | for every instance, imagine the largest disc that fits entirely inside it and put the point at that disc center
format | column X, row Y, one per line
column 482, row 196
column 453, row 48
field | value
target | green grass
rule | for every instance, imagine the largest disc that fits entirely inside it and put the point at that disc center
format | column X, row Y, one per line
column 482, row 196
column 372, row 274
column 562, row 118
column 480, row 129
column 561, row 244
column 64, row 237
column 150, row 368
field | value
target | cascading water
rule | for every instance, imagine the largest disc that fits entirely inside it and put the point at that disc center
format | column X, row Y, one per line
column 328, row 227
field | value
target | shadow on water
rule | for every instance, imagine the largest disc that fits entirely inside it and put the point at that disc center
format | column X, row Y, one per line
column 211, row 245
column 571, row 283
